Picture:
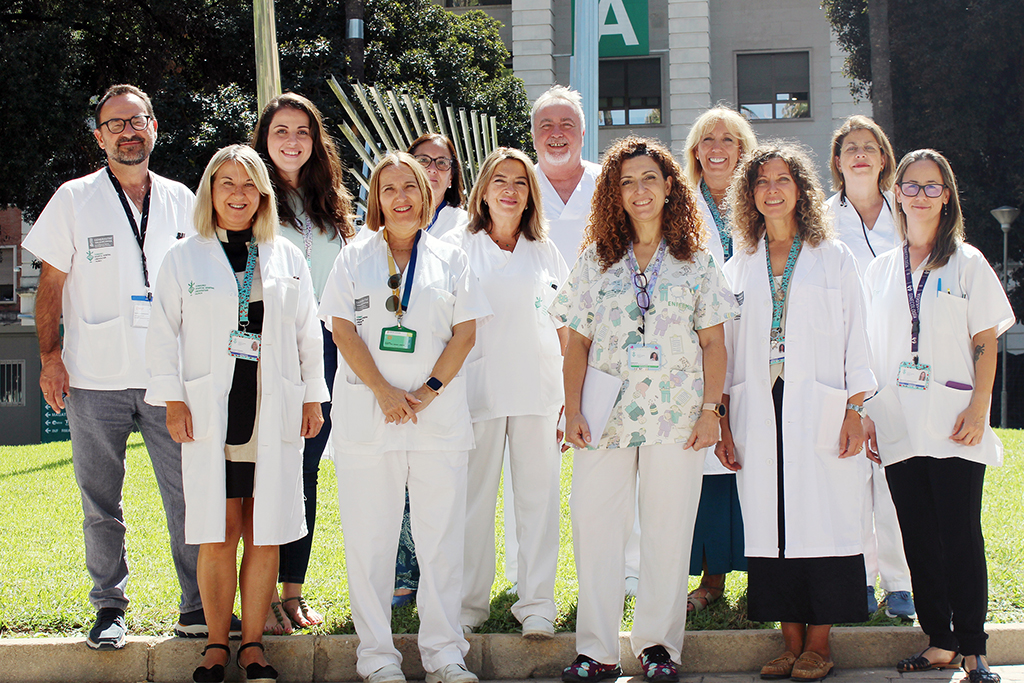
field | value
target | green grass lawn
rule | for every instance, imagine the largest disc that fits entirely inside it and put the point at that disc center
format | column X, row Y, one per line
column 45, row 588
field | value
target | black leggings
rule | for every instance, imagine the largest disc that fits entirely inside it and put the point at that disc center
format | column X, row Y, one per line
column 938, row 502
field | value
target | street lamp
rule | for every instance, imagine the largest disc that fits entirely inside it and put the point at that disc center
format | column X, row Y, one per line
column 1006, row 215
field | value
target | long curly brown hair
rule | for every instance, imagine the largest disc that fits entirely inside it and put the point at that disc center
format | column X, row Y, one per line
column 611, row 228
column 748, row 222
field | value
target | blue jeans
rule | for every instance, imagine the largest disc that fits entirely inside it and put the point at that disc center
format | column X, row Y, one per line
column 100, row 423
column 295, row 555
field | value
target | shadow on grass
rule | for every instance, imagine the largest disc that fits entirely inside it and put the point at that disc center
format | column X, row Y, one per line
column 56, row 464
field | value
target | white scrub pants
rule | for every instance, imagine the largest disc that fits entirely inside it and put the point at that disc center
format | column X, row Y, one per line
column 535, row 469
column 371, row 496
column 604, row 491
column 883, row 542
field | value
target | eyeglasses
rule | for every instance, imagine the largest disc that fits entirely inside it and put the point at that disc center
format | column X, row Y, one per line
column 440, row 163
column 913, row 189
column 138, row 122
column 643, row 299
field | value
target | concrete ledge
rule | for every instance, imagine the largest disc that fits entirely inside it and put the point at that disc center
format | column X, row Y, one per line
column 492, row 656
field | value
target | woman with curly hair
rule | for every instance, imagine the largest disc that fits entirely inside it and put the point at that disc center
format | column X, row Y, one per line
column 645, row 304
column 793, row 427
column 315, row 209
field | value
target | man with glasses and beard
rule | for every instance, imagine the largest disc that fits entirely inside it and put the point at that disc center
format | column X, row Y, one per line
column 101, row 239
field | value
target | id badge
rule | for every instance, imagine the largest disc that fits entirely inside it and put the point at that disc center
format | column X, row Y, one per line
column 913, row 375
column 777, row 354
column 644, row 356
column 399, row 339
column 141, row 309
column 244, row 345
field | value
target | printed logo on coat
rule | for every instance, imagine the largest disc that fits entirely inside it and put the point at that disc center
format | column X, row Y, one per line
column 101, row 242
column 363, row 303
column 197, row 289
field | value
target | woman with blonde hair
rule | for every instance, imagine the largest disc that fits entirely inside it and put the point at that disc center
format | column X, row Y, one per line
column 513, row 377
column 315, row 210
column 718, row 139
column 935, row 312
column 793, row 427
column 644, row 304
column 403, row 308
column 234, row 352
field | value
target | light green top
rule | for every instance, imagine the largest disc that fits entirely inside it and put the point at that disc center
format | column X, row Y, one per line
column 323, row 249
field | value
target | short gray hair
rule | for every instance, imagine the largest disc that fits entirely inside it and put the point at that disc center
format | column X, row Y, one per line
column 559, row 94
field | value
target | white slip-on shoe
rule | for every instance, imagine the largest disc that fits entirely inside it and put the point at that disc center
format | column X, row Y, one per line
column 468, row 630
column 389, row 673
column 536, row 627
column 453, row 673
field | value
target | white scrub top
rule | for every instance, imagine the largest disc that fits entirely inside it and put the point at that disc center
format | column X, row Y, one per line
column 566, row 220
column 516, row 366
column 865, row 244
column 84, row 232
column 655, row 406
column 960, row 299
column 444, row 294
column 450, row 218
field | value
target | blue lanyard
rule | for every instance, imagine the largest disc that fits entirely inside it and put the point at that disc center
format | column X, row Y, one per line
column 720, row 220
column 246, row 289
column 440, row 208
column 779, row 296
column 914, row 301
column 655, row 270
column 409, row 271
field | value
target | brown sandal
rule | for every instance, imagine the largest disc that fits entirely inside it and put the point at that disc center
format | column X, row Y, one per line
column 303, row 609
column 703, row 596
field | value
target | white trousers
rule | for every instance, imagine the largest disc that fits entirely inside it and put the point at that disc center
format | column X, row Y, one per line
column 883, row 541
column 371, row 496
column 604, row 492
column 535, row 466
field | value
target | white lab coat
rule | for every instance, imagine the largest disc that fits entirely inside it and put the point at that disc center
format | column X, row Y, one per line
column 84, row 232
column 515, row 368
column 566, row 220
column 444, row 294
column 851, row 230
column 450, row 218
column 827, row 350
column 194, row 312
column 959, row 300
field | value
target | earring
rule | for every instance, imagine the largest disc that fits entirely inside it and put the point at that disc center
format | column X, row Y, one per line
column 666, row 200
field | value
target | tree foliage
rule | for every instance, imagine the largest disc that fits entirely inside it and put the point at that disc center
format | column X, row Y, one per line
column 195, row 58
column 958, row 86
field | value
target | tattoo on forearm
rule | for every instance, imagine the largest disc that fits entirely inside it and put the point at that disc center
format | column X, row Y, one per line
column 979, row 351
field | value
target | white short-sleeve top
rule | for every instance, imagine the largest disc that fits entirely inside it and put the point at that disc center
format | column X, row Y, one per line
column 516, row 366
column 865, row 244
column 960, row 299
column 84, row 232
column 654, row 406
column 444, row 294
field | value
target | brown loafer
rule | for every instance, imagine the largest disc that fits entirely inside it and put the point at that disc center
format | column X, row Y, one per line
column 811, row 667
column 780, row 667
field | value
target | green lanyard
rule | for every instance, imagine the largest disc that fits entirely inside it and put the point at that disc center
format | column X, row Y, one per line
column 779, row 296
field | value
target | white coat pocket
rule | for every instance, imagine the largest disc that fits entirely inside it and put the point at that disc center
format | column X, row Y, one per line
column 199, row 394
column 356, row 417
column 478, row 393
column 886, row 411
column 102, row 350
column 289, row 288
column 830, row 406
column 944, row 406
column 291, row 411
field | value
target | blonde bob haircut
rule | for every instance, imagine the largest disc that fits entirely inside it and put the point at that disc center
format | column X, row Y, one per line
column 748, row 222
column 950, row 234
column 735, row 123
column 532, row 225
column 858, row 122
column 264, row 223
column 374, row 212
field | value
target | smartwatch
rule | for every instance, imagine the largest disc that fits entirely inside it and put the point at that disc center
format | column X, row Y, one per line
column 716, row 408
column 435, row 385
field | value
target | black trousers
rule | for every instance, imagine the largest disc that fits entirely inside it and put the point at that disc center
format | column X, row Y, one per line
column 938, row 503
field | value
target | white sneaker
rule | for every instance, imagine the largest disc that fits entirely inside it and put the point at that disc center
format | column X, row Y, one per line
column 389, row 673
column 453, row 673
column 536, row 627
column 632, row 583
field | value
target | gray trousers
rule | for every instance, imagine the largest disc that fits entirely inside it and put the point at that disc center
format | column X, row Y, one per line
column 100, row 423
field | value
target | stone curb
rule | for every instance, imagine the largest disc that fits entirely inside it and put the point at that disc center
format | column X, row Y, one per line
column 492, row 656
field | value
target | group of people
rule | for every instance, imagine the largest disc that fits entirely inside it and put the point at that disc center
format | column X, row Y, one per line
column 451, row 333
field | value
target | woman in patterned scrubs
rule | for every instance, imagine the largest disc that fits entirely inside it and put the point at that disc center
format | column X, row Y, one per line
column 645, row 303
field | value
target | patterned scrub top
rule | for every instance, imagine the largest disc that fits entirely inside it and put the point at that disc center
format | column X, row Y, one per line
column 654, row 406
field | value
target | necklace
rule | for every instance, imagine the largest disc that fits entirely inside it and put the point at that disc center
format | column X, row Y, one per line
column 507, row 246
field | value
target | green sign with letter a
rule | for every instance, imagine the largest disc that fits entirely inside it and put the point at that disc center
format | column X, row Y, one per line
column 624, row 27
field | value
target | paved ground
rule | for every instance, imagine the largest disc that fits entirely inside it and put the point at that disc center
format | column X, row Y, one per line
column 1010, row 674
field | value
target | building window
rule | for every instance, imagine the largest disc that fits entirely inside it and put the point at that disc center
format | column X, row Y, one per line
column 12, row 383
column 774, row 85
column 8, row 274
column 629, row 92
